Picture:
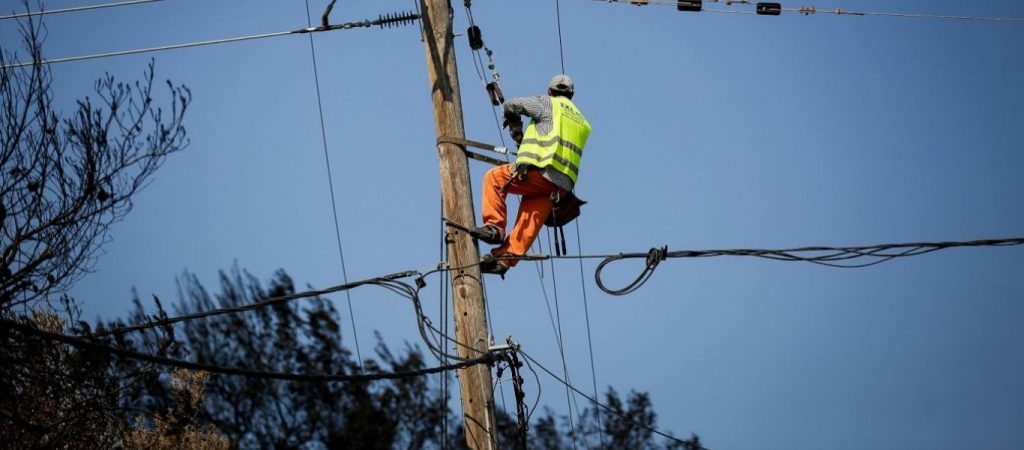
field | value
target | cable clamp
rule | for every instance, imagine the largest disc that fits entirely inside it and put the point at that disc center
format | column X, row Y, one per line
column 656, row 256
column 499, row 348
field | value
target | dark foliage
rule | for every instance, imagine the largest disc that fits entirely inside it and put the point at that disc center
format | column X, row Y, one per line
column 307, row 337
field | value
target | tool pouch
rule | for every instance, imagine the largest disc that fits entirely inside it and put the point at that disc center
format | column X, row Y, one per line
column 565, row 210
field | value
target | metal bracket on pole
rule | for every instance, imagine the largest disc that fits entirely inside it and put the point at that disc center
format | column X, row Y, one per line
column 465, row 144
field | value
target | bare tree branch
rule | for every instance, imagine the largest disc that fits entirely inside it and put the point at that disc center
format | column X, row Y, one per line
column 67, row 180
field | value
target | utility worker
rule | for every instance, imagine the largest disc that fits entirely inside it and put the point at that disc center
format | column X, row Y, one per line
column 547, row 167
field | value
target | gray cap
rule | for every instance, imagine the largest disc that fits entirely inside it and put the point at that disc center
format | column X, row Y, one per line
column 561, row 83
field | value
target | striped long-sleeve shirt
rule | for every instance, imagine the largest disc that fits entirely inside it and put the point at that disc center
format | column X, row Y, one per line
column 540, row 110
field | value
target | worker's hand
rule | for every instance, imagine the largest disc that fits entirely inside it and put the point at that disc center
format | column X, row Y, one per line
column 511, row 120
column 517, row 134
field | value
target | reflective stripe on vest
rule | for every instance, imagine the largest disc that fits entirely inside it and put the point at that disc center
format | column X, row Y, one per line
column 562, row 148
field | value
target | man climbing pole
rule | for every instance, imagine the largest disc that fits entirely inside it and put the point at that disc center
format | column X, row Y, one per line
column 544, row 172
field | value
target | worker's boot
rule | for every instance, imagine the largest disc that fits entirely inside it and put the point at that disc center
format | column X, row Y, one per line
column 487, row 233
column 488, row 264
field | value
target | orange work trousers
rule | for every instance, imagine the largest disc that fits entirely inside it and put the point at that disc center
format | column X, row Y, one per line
column 533, row 209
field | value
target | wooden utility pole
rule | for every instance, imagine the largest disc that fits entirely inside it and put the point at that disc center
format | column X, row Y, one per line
column 457, row 194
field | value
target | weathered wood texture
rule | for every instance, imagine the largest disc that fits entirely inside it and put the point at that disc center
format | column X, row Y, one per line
column 457, row 193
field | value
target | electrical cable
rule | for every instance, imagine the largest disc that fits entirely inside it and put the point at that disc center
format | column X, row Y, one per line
column 490, row 330
column 558, row 19
column 330, row 185
column 569, row 398
column 565, row 370
column 590, row 341
column 256, row 305
column 168, row 362
column 479, row 67
column 811, row 10
column 443, row 314
column 382, row 21
column 685, row 443
column 77, row 9
column 793, row 254
column 827, row 256
column 150, row 49
column 536, row 401
column 837, row 257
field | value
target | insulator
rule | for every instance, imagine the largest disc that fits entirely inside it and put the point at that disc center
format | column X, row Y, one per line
column 396, row 19
column 769, row 8
column 638, row 2
column 494, row 91
column 690, row 5
column 476, row 40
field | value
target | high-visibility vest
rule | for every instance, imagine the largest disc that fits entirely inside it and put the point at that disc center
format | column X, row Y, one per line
column 562, row 148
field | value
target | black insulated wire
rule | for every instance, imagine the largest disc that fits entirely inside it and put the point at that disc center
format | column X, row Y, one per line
column 837, row 257
column 97, row 347
column 689, row 444
column 330, row 176
column 654, row 257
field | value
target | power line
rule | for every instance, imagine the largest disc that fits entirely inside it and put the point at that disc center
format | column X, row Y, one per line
column 686, row 443
column 811, row 10
column 382, row 21
column 257, row 305
column 838, row 257
column 168, row 362
column 76, row 9
column 842, row 12
column 558, row 19
column 561, row 349
column 828, row 256
column 330, row 185
column 579, row 247
column 590, row 341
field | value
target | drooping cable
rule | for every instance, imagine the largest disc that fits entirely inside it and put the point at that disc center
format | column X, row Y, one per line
column 590, row 345
column 163, row 322
column 330, row 186
column 839, row 257
column 76, row 9
column 590, row 341
column 169, row 362
column 821, row 254
column 684, row 443
column 561, row 349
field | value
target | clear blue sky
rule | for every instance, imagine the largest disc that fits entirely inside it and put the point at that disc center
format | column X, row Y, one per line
column 710, row 131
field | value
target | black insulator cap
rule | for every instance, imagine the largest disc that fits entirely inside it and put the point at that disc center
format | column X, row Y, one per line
column 689, row 5
column 494, row 91
column 476, row 40
column 769, row 8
